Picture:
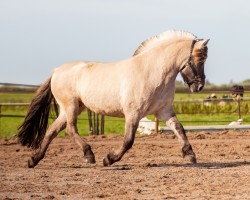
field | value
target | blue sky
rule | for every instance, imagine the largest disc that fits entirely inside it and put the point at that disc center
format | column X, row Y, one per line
column 37, row 36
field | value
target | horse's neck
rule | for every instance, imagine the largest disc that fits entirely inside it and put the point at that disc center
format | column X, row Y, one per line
column 182, row 49
column 164, row 61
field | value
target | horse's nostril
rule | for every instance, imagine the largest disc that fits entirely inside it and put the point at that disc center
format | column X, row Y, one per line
column 200, row 86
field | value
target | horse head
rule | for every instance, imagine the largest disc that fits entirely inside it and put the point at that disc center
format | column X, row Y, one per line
column 193, row 71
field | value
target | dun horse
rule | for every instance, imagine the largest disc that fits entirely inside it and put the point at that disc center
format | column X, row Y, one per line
column 132, row 88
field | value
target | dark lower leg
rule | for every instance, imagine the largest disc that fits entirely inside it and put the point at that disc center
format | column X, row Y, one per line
column 128, row 141
column 179, row 131
column 89, row 156
column 51, row 133
column 38, row 155
column 73, row 111
column 187, row 152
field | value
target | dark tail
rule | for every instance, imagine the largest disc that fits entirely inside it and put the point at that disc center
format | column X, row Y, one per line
column 33, row 129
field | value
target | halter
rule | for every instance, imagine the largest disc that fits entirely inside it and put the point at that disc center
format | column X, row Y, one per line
column 190, row 64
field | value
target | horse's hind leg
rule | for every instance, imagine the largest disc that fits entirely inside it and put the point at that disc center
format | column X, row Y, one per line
column 72, row 113
column 130, row 130
column 58, row 125
column 171, row 120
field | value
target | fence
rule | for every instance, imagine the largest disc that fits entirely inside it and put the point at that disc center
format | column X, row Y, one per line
column 194, row 111
column 214, row 106
column 188, row 112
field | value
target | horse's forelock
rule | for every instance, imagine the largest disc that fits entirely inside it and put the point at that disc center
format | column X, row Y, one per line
column 200, row 55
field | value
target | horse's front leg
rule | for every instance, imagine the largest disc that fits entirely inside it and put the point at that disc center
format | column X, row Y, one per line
column 179, row 131
column 130, row 130
column 173, row 123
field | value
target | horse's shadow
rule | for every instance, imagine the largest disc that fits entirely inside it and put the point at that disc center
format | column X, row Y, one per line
column 212, row 165
column 117, row 167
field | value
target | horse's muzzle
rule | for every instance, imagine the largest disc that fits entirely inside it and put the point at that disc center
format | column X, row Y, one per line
column 196, row 87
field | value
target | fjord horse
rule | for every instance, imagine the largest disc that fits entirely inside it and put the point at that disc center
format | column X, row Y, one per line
column 132, row 88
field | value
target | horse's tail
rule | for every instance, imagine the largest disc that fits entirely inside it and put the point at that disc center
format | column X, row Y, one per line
column 33, row 129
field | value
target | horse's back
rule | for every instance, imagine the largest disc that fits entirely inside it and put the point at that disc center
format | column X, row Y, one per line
column 99, row 87
column 96, row 85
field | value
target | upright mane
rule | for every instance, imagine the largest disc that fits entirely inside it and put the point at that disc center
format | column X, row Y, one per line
column 165, row 36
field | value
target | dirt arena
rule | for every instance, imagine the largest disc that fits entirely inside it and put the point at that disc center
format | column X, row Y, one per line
column 152, row 169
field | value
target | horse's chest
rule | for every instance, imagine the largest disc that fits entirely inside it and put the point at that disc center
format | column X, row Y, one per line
column 160, row 101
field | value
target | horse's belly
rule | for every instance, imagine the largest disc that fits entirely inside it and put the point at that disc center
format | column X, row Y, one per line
column 105, row 109
column 102, row 103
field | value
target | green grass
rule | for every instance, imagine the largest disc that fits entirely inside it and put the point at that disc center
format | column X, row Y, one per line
column 9, row 125
column 209, row 115
column 16, row 97
column 189, row 96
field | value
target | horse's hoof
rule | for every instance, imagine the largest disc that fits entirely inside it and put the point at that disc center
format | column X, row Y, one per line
column 89, row 159
column 31, row 163
column 89, row 156
column 107, row 161
column 192, row 159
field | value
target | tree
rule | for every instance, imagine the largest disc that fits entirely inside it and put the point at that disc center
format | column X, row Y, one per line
column 246, row 82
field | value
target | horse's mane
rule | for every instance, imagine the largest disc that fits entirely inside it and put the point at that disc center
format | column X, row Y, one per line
column 165, row 36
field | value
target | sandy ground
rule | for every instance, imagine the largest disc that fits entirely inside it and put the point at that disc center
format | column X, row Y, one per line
column 152, row 169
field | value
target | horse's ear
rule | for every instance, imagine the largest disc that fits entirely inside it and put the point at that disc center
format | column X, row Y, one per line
column 204, row 43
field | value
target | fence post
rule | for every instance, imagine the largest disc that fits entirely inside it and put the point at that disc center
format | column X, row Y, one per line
column 94, row 123
column 97, row 124
column 156, row 125
column 102, row 124
column 238, row 102
column 90, row 122
column 0, row 118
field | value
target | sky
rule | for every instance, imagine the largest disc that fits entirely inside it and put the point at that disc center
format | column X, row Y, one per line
column 38, row 36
